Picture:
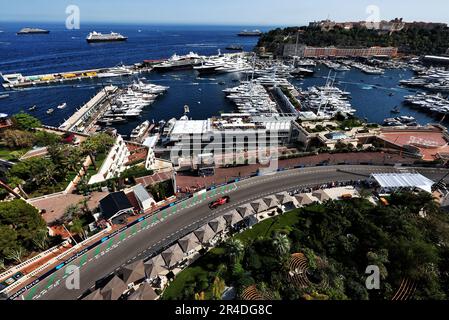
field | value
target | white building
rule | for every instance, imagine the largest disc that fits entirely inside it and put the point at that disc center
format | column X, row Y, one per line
column 145, row 200
column 234, row 134
column 114, row 164
column 150, row 142
column 396, row 182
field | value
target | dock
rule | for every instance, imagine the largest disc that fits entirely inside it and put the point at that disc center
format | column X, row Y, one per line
column 84, row 119
column 19, row 81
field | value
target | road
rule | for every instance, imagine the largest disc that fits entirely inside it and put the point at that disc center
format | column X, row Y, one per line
column 149, row 238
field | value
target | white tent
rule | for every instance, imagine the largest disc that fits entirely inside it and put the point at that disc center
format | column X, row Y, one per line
column 391, row 181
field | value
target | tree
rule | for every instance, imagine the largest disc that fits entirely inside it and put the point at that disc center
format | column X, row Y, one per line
column 24, row 121
column 84, row 205
column 135, row 172
column 41, row 241
column 15, row 253
column 30, row 170
column 234, row 250
column 8, row 238
column 16, row 139
column 70, row 213
column 20, row 224
column 76, row 227
column 282, row 244
column 379, row 259
column 2, row 264
column 365, row 193
column 98, row 143
column 44, row 138
column 46, row 176
column 73, row 159
column 218, row 288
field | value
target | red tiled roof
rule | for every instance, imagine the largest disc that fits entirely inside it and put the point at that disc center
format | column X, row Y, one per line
column 151, row 180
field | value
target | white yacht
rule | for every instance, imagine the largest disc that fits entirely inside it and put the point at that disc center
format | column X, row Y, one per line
column 140, row 130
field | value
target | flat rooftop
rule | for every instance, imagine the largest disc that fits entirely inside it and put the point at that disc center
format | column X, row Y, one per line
column 190, row 127
column 430, row 143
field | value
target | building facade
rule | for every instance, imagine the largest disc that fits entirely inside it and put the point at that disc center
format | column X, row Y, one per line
column 114, row 164
column 325, row 52
column 189, row 139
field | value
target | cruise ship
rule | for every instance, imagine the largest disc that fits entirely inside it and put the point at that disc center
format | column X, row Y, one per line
column 253, row 33
column 100, row 37
column 32, row 31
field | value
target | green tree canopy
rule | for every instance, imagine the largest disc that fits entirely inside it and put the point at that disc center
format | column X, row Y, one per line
column 98, row 143
column 20, row 224
column 24, row 121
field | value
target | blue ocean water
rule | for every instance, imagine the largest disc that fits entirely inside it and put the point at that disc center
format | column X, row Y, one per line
column 66, row 50
column 373, row 96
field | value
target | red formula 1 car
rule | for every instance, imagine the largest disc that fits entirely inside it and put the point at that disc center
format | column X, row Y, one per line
column 219, row 202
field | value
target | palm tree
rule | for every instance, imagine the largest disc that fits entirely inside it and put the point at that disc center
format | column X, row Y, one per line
column 234, row 250
column 71, row 213
column 73, row 159
column 84, row 204
column 89, row 147
column 282, row 244
column 47, row 176
column 273, row 222
column 97, row 143
column 218, row 288
column 77, row 228
column 41, row 240
column 16, row 253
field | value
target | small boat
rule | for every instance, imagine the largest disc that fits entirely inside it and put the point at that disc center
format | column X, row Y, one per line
column 234, row 47
column 396, row 110
column 32, row 108
column 50, row 111
column 62, row 106
column 406, row 119
column 4, row 96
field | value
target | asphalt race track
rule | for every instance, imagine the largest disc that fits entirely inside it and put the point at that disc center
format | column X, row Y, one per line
column 148, row 238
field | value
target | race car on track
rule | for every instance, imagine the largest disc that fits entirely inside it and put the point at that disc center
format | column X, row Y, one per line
column 219, row 202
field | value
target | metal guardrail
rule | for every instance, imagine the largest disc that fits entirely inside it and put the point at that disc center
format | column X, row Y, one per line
column 169, row 240
column 10, row 272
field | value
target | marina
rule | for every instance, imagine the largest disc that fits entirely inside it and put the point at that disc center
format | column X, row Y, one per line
column 326, row 101
column 18, row 81
column 431, row 79
column 203, row 74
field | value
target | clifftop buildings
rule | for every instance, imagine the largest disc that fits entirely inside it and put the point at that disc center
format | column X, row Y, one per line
column 325, row 52
column 394, row 25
